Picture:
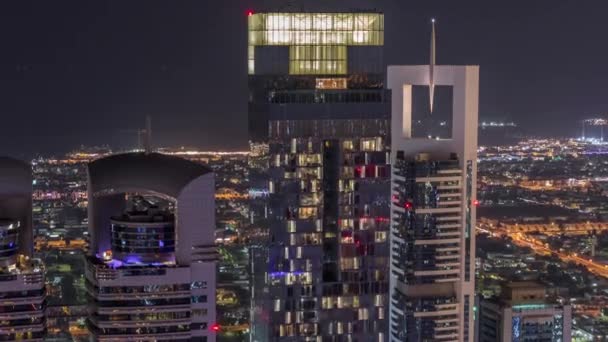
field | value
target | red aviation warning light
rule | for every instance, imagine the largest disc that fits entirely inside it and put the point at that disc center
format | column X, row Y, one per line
column 476, row 203
column 249, row 13
column 215, row 327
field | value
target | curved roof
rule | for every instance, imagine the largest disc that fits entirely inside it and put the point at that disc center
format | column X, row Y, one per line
column 156, row 172
column 15, row 175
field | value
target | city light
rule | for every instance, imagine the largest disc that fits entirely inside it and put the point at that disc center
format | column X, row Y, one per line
column 329, row 192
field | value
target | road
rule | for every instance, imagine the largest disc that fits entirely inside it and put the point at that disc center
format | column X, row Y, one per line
column 539, row 247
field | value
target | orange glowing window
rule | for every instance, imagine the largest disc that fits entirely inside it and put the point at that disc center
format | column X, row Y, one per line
column 331, row 83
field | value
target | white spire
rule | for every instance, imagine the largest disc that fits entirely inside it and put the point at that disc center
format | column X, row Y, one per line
column 432, row 66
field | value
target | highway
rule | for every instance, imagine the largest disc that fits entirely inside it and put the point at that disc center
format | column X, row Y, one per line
column 539, row 247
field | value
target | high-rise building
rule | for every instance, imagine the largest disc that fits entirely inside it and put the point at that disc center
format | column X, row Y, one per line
column 433, row 210
column 151, row 272
column 522, row 313
column 318, row 101
column 22, row 293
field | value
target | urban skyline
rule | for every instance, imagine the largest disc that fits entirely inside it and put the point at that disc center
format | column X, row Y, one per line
column 368, row 200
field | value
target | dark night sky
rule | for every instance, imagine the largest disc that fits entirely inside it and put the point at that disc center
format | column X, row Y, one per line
column 83, row 72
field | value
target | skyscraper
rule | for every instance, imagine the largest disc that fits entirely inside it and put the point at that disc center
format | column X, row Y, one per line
column 433, row 206
column 522, row 313
column 317, row 99
column 151, row 271
column 22, row 293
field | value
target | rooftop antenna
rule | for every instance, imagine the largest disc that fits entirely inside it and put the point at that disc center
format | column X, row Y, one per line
column 148, row 135
column 432, row 66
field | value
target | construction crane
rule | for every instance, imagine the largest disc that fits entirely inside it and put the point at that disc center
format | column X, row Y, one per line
column 144, row 136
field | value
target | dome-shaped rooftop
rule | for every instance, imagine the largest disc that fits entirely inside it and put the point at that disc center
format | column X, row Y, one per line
column 156, row 172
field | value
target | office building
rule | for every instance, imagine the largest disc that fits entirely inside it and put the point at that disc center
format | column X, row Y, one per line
column 22, row 293
column 151, row 271
column 318, row 101
column 433, row 210
column 522, row 313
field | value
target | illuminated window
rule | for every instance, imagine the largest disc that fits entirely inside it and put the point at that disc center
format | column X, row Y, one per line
column 198, row 285
column 346, row 223
column 349, row 264
column 363, row 314
column 366, row 223
column 307, row 213
column 379, row 300
column 291, row 226
column 308, row 159
column 316, row 29
column 317, row 60
column 294, row 145
column 348, row 145
column 251, row 59
column 380, row 236
column 309, row 31
column 331, row 83
column 340, row 328
column 371, row 144
column 310, row 199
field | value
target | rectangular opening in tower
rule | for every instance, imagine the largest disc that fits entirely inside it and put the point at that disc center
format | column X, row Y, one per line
column 435, row 124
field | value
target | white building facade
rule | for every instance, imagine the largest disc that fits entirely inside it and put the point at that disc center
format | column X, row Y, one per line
column 433, row 206
column 151, row 274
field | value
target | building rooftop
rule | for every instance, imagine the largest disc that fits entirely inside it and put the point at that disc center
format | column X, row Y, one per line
column 15, row 176
column 525, row 284
column 156, row 172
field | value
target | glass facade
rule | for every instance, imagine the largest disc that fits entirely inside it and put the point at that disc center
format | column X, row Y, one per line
column 317, row 60
column 426, row 248
column 317, row 101
column 317, row 41
column 329, row 222
column 154, row 241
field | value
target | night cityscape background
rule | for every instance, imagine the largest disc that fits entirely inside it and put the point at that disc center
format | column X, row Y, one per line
column 77, row 73
column 164, row 140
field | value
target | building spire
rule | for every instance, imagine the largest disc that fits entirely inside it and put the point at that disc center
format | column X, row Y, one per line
column 432, row 66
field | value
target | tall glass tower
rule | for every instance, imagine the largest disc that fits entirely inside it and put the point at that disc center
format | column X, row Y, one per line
column 317, row 101
column 433, row 210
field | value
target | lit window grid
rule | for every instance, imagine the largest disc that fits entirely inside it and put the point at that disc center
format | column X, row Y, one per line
column 288, row 38
column 316, row 29
column 317, row 60
column 251, row 59
column 313, row 29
